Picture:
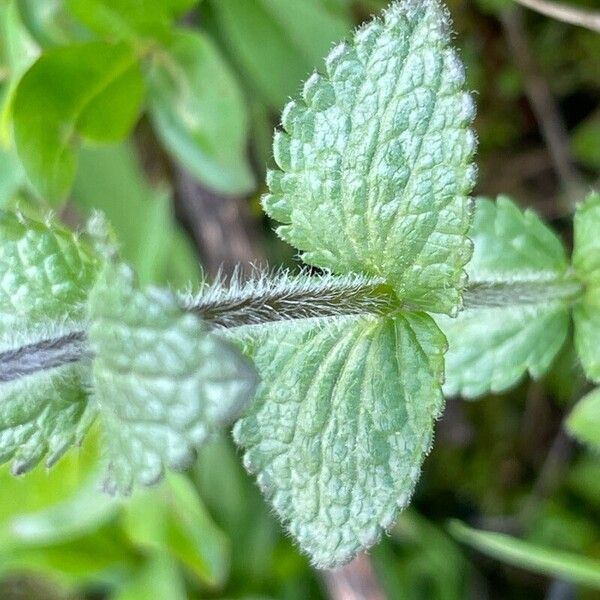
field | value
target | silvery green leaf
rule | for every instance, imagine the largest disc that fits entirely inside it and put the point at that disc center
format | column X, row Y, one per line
column 162, row 381
column 375, row 159
column 45, row 273
column 341, row 424
column 491, row 348
column 586, row 261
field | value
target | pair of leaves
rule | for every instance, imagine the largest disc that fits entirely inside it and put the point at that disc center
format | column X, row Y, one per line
column 94, row 90
column 161, row 381
column 491, row 348
column 375, row 172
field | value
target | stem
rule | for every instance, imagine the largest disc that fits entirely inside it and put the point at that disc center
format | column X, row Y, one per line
column 42, row 355
column 498, row 294
column 282, row 296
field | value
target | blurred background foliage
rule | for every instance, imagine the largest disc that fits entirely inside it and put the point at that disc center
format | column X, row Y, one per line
column 160, row 114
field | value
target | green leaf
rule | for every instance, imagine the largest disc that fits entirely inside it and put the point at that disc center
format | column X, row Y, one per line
column 290, row 36
column 162, row 381
column 172, row 519
column 49, row 22
column 20, row 52
column 340, row 425
column 584, row 420
column 549, row 561
column 199, row 114
column 376, row 160
column 156, row 245
column 93, row 90
column 491, row 349
column 45, row 274
column 130, row 19
column 586, row 261
column 158, row 578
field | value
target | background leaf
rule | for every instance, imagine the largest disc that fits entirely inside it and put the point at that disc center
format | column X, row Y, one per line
column 584, row 420
column 129, row 19
column 111, row 179
column 199, row 113
column 340, row 425
column 376, row 158
column 290, row 37
column 548, row 561
column 172, row 520
column 94, row 90
column 490, row 349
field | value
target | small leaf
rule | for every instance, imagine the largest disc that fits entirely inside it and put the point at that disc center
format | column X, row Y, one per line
column 129, row 19
column 45, row 273
column 376, row 159
column 586, row 261
column 199, row 113
column 290, row 36
column 490, row 349
column 525, row 555
column 93, row 90
column 162, row 381
column 340, row 425
column 584, row 420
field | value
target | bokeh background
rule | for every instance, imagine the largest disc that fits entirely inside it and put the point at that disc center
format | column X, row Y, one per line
column 182, row 192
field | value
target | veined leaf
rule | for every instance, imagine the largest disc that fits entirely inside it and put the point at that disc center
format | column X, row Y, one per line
column 490, row 349
column 586, row 261
column 199, row 113
column 93, row 90
column 162, row 381
column 584, row 420
column 525, row 555
column 45, row 273
column 340, row 425
column 376, row 159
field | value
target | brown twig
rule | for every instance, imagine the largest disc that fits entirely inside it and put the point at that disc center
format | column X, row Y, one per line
column 542, row 102
column 563, row 12
column 355, row 581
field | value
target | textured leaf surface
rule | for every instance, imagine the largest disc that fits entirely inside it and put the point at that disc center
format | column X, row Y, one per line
column 490, row 349
column 584, row 420
column 586, row 261
column 45, row 272
column 375, row 159
column 340, row 426
column 163, row 383
column 199, row 113
column 93, row 90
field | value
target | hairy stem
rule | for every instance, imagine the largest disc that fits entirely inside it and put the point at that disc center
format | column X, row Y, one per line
column 281, row 296
column 42, row 355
